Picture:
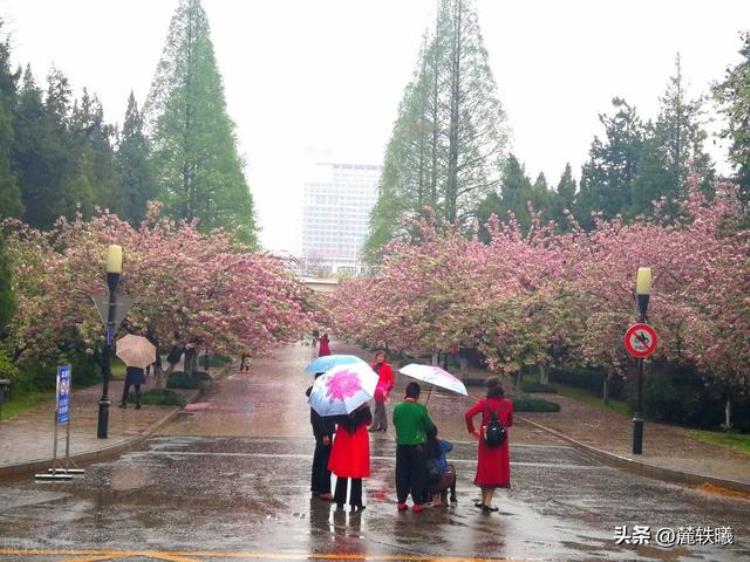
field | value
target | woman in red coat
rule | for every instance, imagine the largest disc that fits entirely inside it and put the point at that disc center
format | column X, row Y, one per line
column 382, row 390
column 350, row 456
column 493, row 462
column 324, row 349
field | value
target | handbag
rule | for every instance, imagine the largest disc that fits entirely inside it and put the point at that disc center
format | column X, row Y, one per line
column 494, row 432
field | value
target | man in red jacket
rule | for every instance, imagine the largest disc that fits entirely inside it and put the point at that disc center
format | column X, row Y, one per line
column 382, row 390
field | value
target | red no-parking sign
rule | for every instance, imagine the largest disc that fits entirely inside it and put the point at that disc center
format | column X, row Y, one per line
column 640, row 340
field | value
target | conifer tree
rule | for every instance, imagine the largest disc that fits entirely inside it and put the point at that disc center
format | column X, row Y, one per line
column 10, row 195
column 449, row 138
column 198, row 172
column 136, row 180
column 733, row 93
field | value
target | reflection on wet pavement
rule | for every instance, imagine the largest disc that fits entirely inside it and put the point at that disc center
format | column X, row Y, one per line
column 232, row 495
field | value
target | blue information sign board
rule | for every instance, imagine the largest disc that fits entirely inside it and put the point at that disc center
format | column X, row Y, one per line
column 63, row 395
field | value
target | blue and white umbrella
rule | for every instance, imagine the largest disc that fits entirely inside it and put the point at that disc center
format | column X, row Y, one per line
column 327, row 362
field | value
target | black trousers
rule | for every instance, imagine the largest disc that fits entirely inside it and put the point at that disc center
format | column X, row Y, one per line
column 411, row 472
column 321, row 476
column 126, row 391
column 355, row 497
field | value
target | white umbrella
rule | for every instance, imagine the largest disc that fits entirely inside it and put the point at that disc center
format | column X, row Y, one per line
column 343, row 389
column 434, row 375
column 136, row 351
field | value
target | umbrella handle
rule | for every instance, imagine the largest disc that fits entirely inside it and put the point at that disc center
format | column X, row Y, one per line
column 429, row 393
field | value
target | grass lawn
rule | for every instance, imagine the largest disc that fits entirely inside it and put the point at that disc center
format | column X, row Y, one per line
column 737, row 441
column 582, row 395
column 26, row 400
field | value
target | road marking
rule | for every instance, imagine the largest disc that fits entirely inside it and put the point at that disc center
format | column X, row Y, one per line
column 375, row 458
column 193, row 556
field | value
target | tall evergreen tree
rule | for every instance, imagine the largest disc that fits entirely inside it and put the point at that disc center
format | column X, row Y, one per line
column 10, row 194
column 137, row 185
column 734, row 95
column 449, row 137
column 563, row 198
column 673, row 147
column 37, row 156
column 607, row 178
column 516, row 191
column 198, row 172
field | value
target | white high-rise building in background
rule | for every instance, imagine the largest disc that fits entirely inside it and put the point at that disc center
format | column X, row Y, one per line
column 338, row 198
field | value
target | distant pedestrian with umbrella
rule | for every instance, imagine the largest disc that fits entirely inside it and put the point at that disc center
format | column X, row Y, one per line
column 493, row 455
column 134, row 376
column 413, row 425
column 323, row 429
column 137, row 353
column 324, row 347
column 382, row 391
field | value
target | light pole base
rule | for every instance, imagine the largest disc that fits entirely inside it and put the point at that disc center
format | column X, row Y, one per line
column 103, row 423
column 637, row 436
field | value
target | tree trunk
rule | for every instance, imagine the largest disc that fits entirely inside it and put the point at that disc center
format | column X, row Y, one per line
column 190, row 359
column 435, row 358
column 727, row 414
column 543, row 374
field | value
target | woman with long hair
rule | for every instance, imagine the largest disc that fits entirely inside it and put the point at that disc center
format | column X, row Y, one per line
column 493, row 460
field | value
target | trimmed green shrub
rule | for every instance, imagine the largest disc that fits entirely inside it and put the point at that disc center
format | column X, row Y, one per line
column 179, row 379
column 214, row 361
column 539, row 387
column 525, row 404
column 159, row 397
column 589, row 379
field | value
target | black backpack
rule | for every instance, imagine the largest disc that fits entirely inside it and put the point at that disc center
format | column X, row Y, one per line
column 494, row 432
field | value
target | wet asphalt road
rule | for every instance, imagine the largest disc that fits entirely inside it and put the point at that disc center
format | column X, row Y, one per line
column 194, row 494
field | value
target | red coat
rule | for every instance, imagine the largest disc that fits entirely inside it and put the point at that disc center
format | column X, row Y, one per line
column 350, row 453
column 324, row 349
column 493, row 463
column 385, row 382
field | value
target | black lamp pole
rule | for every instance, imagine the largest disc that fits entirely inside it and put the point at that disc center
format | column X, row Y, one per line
column 114, row 266
column 643, row 289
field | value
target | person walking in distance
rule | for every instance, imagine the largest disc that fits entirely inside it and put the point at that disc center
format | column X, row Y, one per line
column 412, row 423
column 493, row 458
column 382, row 391
column 323, row 429
column 134, row 376
column 324, row 348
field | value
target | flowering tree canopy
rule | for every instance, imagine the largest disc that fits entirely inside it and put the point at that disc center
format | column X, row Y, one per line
column 194, row 290
column 545, row 296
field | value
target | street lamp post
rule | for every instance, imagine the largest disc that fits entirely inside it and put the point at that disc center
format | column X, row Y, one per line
column 114, row 269
column 642, row 291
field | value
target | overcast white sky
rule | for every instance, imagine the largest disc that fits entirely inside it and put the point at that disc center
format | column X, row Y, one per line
column 330, row 73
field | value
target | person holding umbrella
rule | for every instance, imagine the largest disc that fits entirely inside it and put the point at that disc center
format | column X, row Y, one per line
column 343, row 391
column 385, row 384
column 413, row 424
column 323, row 428
column 350, row 456
column 493, row 459
column 137, row 353
column 134, row 376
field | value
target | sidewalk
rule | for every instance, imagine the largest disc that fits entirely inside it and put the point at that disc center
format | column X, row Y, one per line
column 26, row 440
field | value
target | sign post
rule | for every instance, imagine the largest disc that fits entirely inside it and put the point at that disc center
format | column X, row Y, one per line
column 62, row 418
column 640, row 342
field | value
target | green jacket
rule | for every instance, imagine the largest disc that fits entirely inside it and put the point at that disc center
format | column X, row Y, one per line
column 412, row 423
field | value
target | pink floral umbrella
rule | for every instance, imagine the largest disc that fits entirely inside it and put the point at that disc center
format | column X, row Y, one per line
column 343, row 389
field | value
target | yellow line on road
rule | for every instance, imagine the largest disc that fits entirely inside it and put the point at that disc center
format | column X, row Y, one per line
column 192, row 556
